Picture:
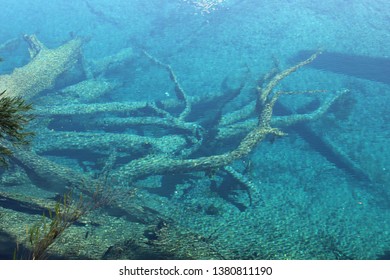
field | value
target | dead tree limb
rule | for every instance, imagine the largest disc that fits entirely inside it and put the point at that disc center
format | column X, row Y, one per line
column 162, row 164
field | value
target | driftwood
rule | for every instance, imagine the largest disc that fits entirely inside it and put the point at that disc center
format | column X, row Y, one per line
column 45, row 67
column 183, row 136
column 140, row 139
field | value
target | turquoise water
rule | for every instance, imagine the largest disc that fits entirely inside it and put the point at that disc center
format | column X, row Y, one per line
column 322, row 191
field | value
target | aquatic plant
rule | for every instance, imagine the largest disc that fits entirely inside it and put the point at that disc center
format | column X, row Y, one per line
column 13, row 121
column 64, row 214
column 45, row 232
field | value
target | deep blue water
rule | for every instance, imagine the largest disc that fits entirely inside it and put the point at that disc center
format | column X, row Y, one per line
column 320, row 192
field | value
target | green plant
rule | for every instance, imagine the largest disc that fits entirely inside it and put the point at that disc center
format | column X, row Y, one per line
column 65, row 213
column 45, row 232
column 13, row 120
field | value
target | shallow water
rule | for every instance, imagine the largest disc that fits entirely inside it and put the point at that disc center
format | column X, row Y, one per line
column 158, row 84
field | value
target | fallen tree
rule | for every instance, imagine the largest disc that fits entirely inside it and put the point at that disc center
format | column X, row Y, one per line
column 137, row 140
column 45, row 67
column 181, row 133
